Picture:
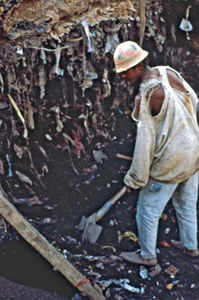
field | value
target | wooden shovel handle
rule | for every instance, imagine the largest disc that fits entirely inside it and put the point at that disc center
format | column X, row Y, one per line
column 118, row 155
column 105, row 208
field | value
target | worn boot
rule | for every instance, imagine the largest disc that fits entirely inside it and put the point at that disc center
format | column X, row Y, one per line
column 192, row 253
column 136, row 258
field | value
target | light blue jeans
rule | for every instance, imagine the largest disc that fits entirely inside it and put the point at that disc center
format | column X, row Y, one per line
column 151, row 203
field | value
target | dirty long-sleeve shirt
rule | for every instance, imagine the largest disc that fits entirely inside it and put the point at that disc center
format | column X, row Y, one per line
column 167, row 145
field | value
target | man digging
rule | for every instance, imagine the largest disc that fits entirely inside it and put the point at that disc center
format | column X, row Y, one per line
column 166, row 155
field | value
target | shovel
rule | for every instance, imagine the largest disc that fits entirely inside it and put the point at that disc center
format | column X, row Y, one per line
column 91, row 231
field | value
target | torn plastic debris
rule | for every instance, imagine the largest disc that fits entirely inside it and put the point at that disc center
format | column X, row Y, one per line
column 60, row 125
column 185, row 24
column 43, row 56
column 19, row 50
column 65, row 253
column 10, row 173
column 172, row 270
column 87, row 32
column 14, row 104
column 129, row 235
column 123, row 283
column 155, row 270
column 112, row 41
column 56, row 69
column 89, row 76
column 90, row 257
column 143, row 272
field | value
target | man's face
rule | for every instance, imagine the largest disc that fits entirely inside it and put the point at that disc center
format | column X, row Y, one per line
column 132, row 74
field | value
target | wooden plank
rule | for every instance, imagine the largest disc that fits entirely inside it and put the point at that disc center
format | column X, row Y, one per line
column 142, row 21
column 48, row 251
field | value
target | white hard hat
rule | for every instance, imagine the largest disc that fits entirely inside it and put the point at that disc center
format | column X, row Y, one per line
column 127, row 55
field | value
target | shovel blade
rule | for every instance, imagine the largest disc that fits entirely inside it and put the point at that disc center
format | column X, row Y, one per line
column 92, row 233
column 82, row 223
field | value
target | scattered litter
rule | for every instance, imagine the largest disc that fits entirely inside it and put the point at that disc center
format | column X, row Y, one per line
column 19, row 50
column 165, row 244
column 143, row 272
column 185, row 24
column 23, row 178
column 10, row 173
column 56, row 69
column 77, row 297
column 49, row 207
column 30, row 201
column 123, row 283
column 48, row 221
column 48, row 137
column 167, row 230
column 43, row 56
column 104, row 259
column 65, row 252
column 42, row 81
column 109, row 247
column 129, row 235
column 112, row 41
column 90, row 74
column 155, row 270
column 60, row 125
column 19, row 151
column 14, row 104
column 70, row 240
column 87, row 32
column 100, row 265
column 99, row 156
column 171, row 270
column 2, row 171
column 169, row 286
column 111, row 223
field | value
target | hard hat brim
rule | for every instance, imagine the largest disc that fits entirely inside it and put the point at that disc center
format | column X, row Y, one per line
column 132, row 63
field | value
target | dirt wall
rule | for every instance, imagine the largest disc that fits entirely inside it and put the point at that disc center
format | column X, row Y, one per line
column 57, row 68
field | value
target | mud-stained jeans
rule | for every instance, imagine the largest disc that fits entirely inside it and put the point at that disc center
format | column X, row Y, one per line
column 151, row 203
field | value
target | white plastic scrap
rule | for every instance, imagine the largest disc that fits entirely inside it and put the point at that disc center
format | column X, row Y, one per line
column 87, row 32
column 42, row 81
column 112, row 41
column 2, row 83
column 19, row 50
column 60, row 125
column 123, row 283
column 186, row 25
column 58, row 71
column 43, row 56
column 143, row 272
column 10, row 173
column 65, row 253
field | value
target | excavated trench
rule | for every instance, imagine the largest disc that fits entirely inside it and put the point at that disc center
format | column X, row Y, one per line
column 61, row 163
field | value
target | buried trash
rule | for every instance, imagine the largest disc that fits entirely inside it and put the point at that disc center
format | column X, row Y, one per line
column 124, row 283
column 128, row 235
column 143, row 272
column 172, row 270
column 77, row 116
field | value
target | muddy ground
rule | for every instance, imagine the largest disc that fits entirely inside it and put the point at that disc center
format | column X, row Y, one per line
column 64, row 206
column 77, row 114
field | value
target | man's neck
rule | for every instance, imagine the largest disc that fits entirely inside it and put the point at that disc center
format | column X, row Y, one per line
column 148, row 73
